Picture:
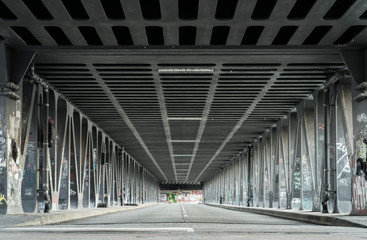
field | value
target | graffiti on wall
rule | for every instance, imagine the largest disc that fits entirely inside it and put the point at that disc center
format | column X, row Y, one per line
column 361, row 147
column 172, row 197
column 362, row 118
column 29, row 175
column 3, row 199
column 360, row 166
column 14, row 170
column 64, row 184
column 306, row 172
column 182, row 196
column 2, row 148
column 2, row 154
column 297, row 180
column 15, row 177
column 3, row 165
column 360, row 194
column 343, row 164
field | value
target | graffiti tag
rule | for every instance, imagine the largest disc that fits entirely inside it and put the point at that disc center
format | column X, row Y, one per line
column 360, row 193
column 3, row 199
column 362, row 118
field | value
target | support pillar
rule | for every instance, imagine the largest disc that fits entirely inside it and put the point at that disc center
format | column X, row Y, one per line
column 249, row 187
column 13, row 66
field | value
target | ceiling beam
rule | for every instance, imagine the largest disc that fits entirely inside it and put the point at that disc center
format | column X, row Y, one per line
column 204, row 118
column 244, row 117
column 126, row 119
column 167, row 131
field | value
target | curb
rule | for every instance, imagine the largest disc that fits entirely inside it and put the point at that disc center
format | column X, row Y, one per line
column 309, row 217
column 60, row 217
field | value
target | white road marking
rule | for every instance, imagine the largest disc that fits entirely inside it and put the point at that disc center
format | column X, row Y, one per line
column 81, row 229
column 183, row 211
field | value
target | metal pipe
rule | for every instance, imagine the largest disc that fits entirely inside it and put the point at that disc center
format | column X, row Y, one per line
column 45, row 144
column 326, row 153
column 45, row 147
column 38, row 150
column 327, row 178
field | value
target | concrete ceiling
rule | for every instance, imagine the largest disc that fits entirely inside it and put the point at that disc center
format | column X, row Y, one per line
column 184, row 85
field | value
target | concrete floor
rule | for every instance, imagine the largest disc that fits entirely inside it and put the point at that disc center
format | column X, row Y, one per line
column 184, row 221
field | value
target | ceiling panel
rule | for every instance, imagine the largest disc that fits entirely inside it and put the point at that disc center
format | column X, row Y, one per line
column 184, row 85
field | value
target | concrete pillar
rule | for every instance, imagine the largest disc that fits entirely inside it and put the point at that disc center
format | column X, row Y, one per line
column 11, row 163
column 13, row 66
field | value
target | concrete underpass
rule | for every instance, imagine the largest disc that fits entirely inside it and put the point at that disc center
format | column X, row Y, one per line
column 183, row 117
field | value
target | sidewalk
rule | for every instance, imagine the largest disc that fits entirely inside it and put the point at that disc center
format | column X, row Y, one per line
column 55, row 217
column 329, row 219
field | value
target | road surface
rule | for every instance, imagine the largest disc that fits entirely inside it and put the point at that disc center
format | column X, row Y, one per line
column 184, row 221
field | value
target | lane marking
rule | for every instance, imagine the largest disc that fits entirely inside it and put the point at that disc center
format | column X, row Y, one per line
column 80, row 229
column 183, row 211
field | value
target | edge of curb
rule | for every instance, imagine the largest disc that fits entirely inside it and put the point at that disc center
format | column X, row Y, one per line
column 315, row 219
column 70, row 216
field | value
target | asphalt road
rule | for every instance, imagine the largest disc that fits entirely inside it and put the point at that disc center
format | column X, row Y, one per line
column 184, row 221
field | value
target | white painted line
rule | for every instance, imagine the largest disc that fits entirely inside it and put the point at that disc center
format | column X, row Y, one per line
column 183, row 211
column 81, row 229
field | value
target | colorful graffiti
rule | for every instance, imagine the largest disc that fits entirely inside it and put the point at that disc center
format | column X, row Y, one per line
column 360, row 194
column 172, row 197
column 3, row 199
column 361, row 148
column 2, row 154
column 359, row 165
column 182, row 196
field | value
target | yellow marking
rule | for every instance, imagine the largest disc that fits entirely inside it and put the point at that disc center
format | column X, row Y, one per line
column 2, row 198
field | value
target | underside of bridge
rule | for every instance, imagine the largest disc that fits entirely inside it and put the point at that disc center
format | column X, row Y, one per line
column 179, row 90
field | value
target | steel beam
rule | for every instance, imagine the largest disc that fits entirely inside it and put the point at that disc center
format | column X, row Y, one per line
column 243, row 118
column 128, row 122
column 166, row 126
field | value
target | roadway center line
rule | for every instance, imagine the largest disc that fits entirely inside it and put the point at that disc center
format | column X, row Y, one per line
column 183, row 211
column 81, row 229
